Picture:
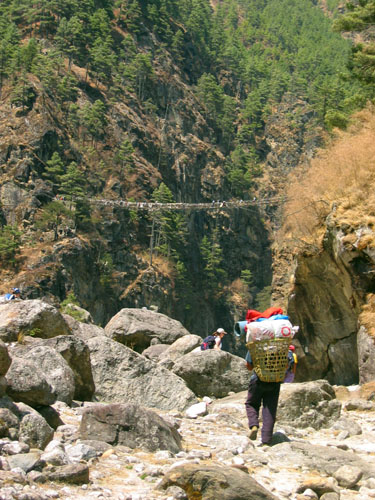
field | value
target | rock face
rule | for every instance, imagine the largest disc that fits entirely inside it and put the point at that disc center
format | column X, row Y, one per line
column 310, row 404
column 206, row 481
column 136, row 328
column 322, row 305
column 130, row 425
column 212, row 372
column 120, row 375
column 30, row 317
column 366, row 354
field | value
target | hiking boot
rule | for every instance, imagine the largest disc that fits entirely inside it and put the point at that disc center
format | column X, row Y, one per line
column 253, row 433
column 262, row 445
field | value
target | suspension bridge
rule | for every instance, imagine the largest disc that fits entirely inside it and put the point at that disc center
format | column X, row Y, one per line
column 214, row 205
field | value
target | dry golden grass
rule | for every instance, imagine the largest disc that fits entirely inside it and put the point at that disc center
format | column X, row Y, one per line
column 339, row 181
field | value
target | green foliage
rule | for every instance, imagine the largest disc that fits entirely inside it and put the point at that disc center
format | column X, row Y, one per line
column 52, row 216
column 72, row 183
column 106, row 269
column 263, row 298
column 124, row 157
column 67, row 307
column 93, row 119
column 10, row 239
column 247, row 277
column 54, row 168
column 212, row 258
column 169, row 226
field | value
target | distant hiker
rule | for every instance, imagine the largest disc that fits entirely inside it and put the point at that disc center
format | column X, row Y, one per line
column 261, row 392
column 16, row 294
column 292, row 365
column 213, row 341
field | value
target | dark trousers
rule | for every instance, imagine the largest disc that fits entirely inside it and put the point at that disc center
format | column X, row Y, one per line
column 267, row 393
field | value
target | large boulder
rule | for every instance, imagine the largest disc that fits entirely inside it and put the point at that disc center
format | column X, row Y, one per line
column 214, row 481
column 77, row 355
column 308, row 404
column 27, row 383
column 182, row 346
column 154, row 351
column 30, row 317
column 120, row 374
column 136, row 328
column 5, row 360
column 35, row 431
column 212, row 373
column 82, row 330
column 56, row 370
column 324, row 459
column 130, row 425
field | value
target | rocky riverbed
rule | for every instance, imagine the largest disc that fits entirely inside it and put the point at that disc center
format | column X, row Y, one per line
column 331, row 463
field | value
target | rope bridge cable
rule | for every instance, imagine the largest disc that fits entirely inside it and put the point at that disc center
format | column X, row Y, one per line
column 154, row 206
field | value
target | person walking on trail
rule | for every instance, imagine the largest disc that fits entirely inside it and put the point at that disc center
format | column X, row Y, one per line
column 213, row 341
column 292, row 365
column 261, row 392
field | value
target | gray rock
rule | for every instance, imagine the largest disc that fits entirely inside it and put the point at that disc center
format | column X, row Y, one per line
column 56, row 370
column 366, row 353
column 80, row 451
column 78, row 313
column 348, row 425
column 83, row 330
column 56, row 456
column 51, row 415
column 99, row 446
column 324, row 459
column 330, row 496
column 176, row 493
column 30, row 317
column 36, row 476
column 5, row 360
column 137, row 327
column 26, row 461
column 203, row 481
column 3, row 386
column 120, row 374
column 197, row 410
column 179, row 348
column 27, row 383
column 11, row 477
column 74, row 474
column 348, row 476
column 359, row 404
column 15, row 447
column 212, row 372
column 154, row 351
column 308, row 404
column 7, row 421
column 130, row 425
column 35, row 431
column 76, row 353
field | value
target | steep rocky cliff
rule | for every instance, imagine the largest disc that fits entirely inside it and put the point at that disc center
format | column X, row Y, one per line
column 324, row 271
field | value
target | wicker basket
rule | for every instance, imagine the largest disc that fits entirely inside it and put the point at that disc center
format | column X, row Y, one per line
column 270, row 358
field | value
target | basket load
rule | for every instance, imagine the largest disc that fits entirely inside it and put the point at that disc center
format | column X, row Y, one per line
column 268, row 336
column 271, row 324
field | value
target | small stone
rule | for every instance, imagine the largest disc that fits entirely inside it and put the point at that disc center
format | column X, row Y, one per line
column 348, row 476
